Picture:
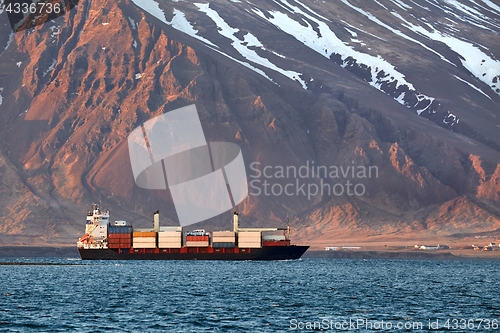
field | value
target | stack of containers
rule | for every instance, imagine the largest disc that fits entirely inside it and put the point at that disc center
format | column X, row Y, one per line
column 144, row 240
column 197, row 241
column 250, row 239
column 100, row 232
column 223, row 239
column 170, row 238
column 120, row 237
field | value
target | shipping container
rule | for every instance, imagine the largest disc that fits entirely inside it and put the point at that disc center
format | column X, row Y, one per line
column 170, row 240
column 171, row 229
column 120, row 229
column 197, row 243
column 170, row 233
column 170, row 245
column 223, row 245
column 249, row 234
column 220, row 239
column 277, row 235
column 144, row 240
column 120, row 246
column 122, row 236
column 249, row 243
column 197, row 238
column 143, row 245
column 223, row 234
column 144, row 234
column 119, row 240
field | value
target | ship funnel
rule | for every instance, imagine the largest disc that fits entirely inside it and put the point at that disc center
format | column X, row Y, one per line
column 156, row 221
column 235, row 222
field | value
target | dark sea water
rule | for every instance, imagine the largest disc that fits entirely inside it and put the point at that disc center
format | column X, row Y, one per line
column 281, row 296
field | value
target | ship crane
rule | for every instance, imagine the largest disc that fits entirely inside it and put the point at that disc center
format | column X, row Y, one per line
column 236, row 226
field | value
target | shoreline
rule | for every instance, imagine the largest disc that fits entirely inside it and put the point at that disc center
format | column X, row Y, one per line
column 404, row 254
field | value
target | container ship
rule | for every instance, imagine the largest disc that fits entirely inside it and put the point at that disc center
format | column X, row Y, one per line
column 121, row 241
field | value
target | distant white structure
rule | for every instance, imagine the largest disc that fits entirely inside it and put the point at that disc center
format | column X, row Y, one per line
column 428, row 247
column 431, row 247
column 336, row 248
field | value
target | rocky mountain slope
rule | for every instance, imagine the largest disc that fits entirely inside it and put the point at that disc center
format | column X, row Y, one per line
column 410, row 87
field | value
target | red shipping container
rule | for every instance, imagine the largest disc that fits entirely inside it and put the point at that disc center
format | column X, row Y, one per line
column 119, row 236
column 197, row 238
column 120, row 246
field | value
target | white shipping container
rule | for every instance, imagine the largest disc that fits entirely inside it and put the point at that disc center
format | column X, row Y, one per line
column 273, row 237
column 170, row 237
column 144, row 242
column 143, row 246
column 171, row 245
column 223, row 233
column 170, row 233
column 144, row 239
column 224, row 237
column 197, row 243
column 170, row 240
column 171, row 228
column 249, row 233
column 179, row 242
column 249, row 238
column 179, row 235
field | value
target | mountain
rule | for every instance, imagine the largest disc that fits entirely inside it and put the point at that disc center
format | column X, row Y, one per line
column 406, row 89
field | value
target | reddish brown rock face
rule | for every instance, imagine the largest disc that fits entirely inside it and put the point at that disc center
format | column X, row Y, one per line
column 75, row 87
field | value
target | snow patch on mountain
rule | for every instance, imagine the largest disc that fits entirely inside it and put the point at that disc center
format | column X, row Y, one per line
column 471, row 85
column 11, row 39
column 401, row 4
column 51, row 67
column 152, row 7
column 247, row 65
column 381, row 5
column 180, row 23
column 468, row 15
column 132, row 23
column 312, row 11
column 451, row 119
column 395, row 31
column 473, row 59
column 325, row 42
column 243, row 46
column 1, row 98
column 363, row 31
column 419, row 5
column 492, row 5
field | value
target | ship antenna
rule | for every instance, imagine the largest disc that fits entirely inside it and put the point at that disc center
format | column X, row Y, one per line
column 288, row 225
